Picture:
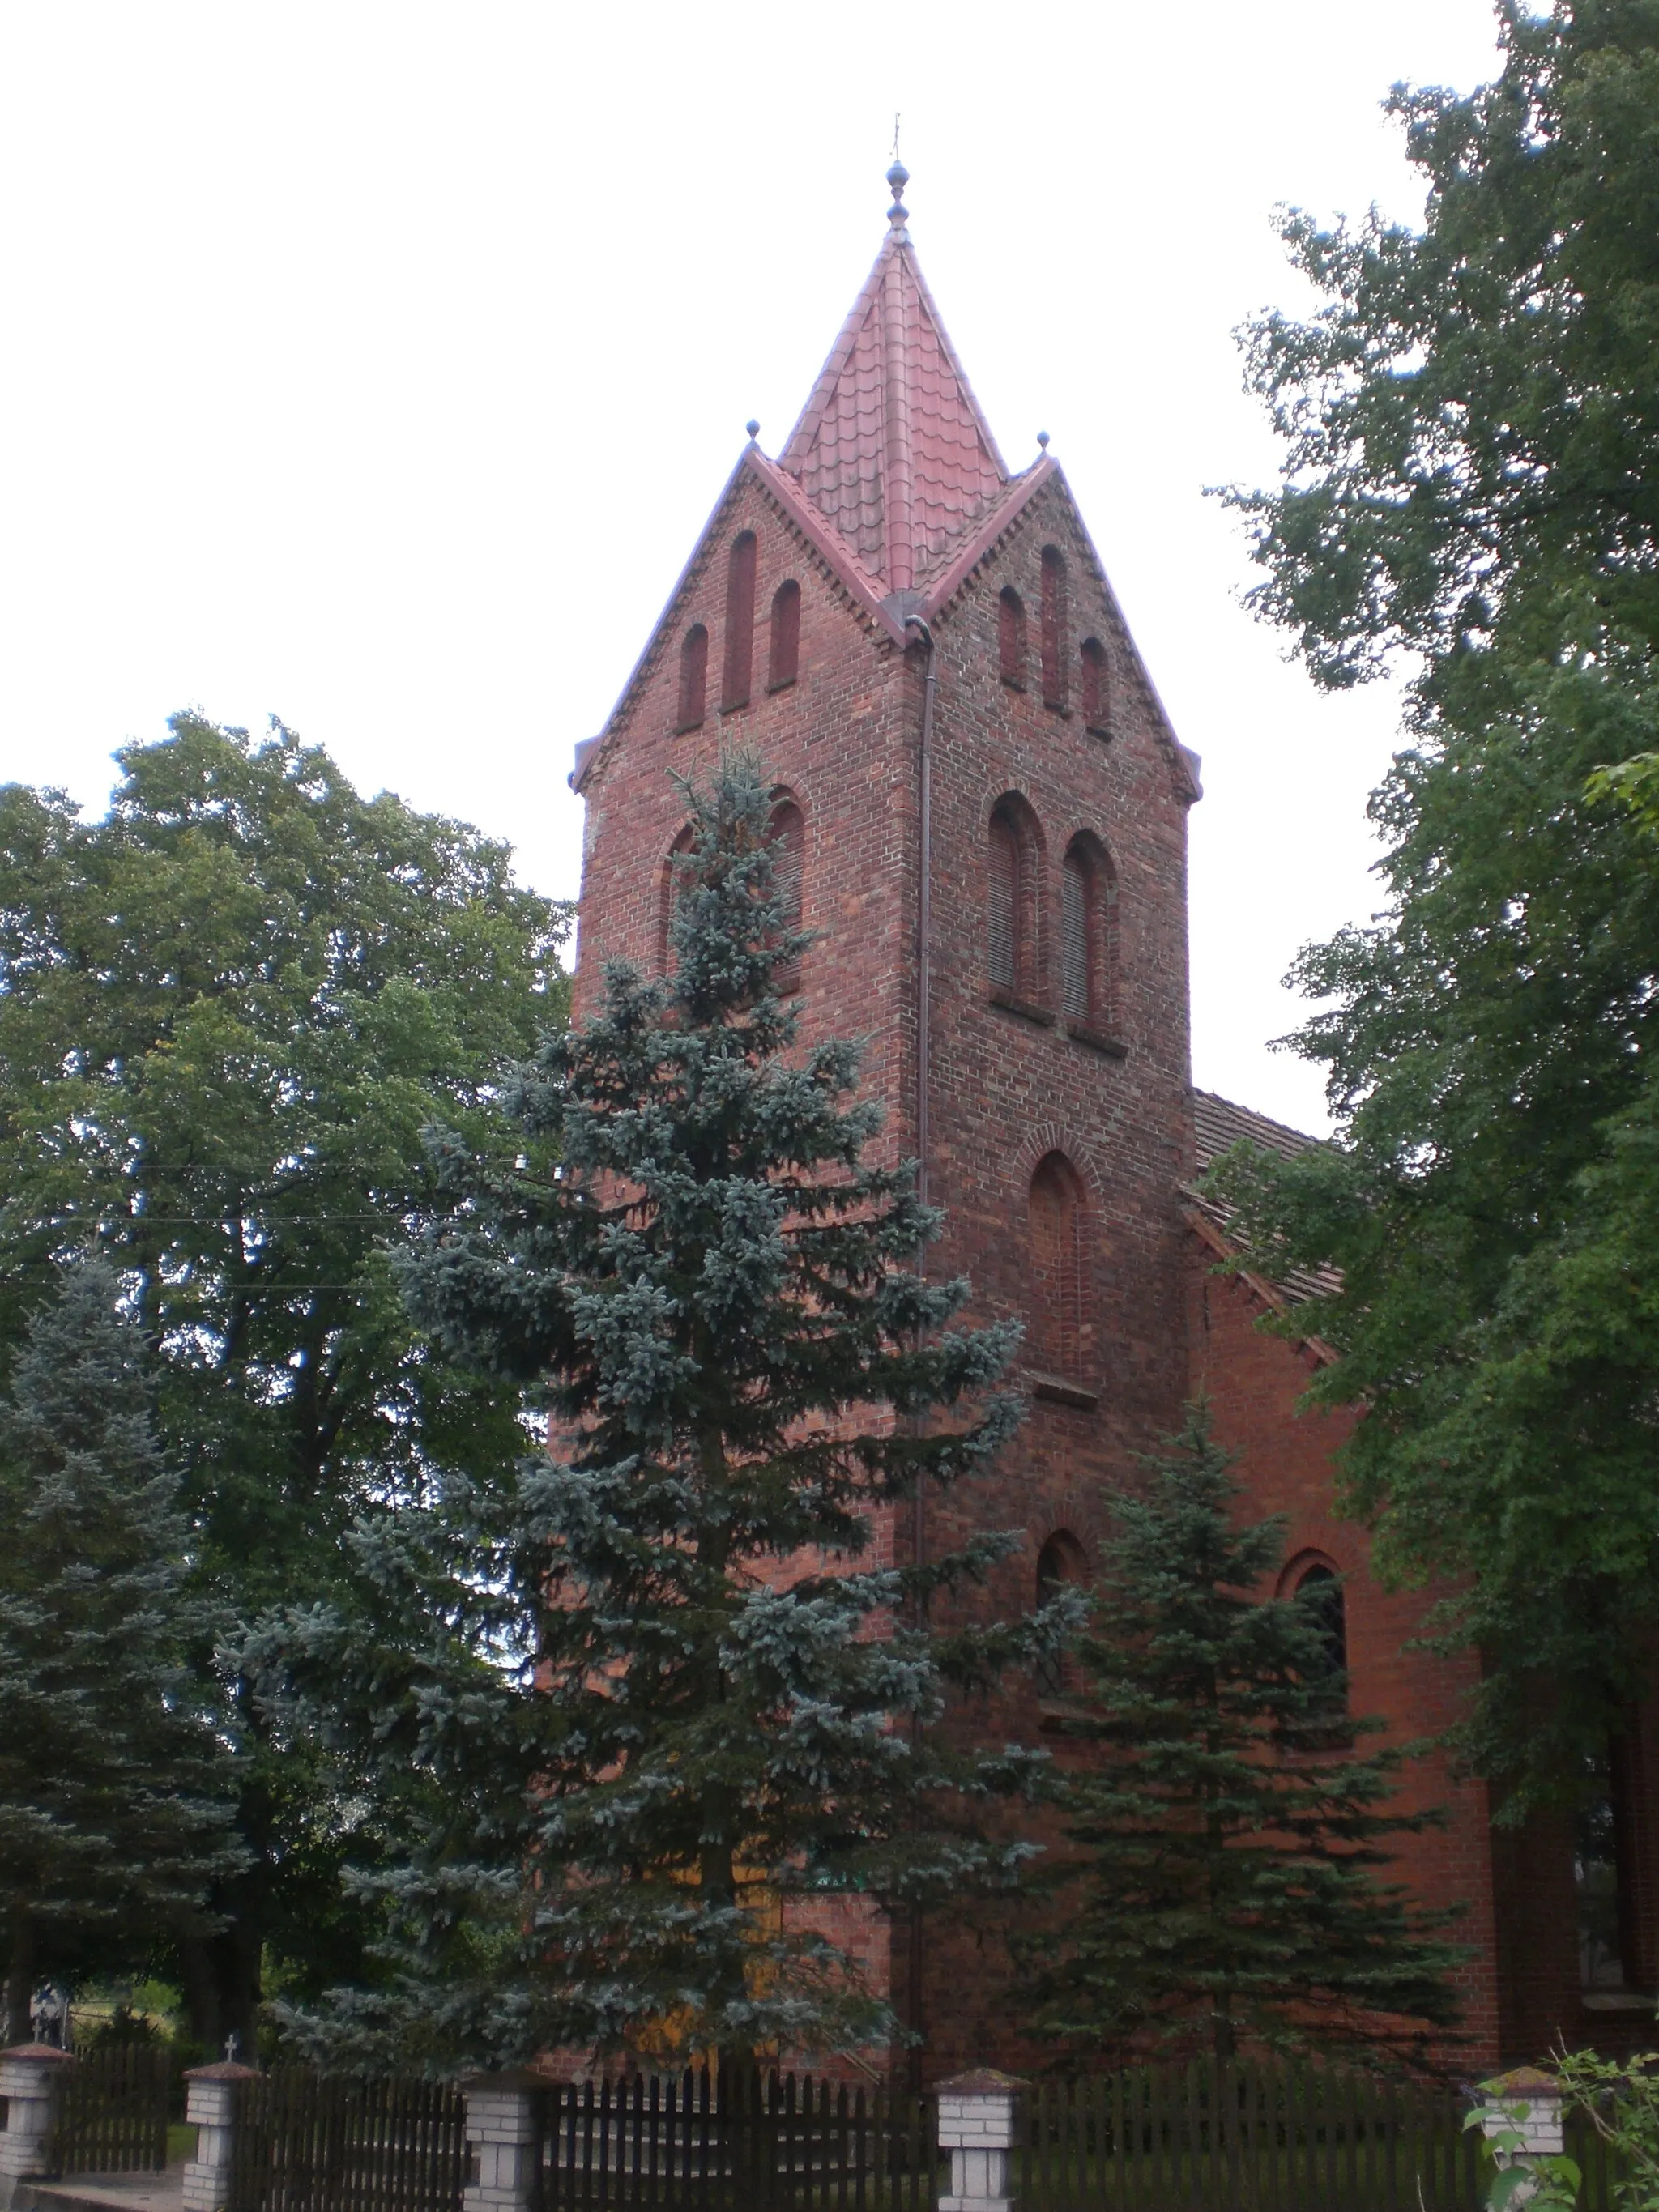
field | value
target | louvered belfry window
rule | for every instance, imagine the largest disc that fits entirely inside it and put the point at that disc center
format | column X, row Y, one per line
column 1077, row 904
column 1003, row 904
column 740, row 623
column 1057, row 1272
column 789, row 862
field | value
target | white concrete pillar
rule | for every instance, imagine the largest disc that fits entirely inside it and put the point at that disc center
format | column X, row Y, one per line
column 1527, row 2102
column 212, row 2094
column 31, row 2077
column 979, row 2123
column 503, row 2142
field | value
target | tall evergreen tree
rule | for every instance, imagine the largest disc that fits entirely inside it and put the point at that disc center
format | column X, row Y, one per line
column 115, row 1790
column 1232, row 1840
column 665, row 1691
column 1471, row 426
column 228, row 1011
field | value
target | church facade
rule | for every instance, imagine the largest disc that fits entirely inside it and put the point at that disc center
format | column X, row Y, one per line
column 982, row 809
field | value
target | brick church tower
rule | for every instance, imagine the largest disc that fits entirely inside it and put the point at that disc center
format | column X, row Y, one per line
column 984, row 806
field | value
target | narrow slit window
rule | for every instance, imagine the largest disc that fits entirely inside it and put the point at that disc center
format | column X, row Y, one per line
column 1075, row 966
column 1053, row 627
column 789, row 862
column 1096, row 687
column 1003, row 905
column 694, row 678
column 783, row 663
column 1060, row 1564
column 740, row 623
column 669, row 899
column 1011, row 637
column 1057, row 1271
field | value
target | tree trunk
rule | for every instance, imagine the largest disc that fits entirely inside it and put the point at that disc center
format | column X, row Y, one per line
column 19, row 1976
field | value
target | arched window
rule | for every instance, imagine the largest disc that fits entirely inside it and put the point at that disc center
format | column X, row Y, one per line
column 668, row 899
column 1060, row 1564
column 1057, row 1336
column 1013, row 901
column 1085, row 946
column 740, row 623
column 1320, row 1593
column 1096, row 688
column 783, row 663
column 1053, row 627
column 1011, row 637
column 788, row 830
column 694, row 678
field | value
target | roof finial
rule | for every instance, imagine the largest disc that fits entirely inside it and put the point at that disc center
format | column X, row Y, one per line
column 753, row 427
column 1042, row 439
column 897, row 178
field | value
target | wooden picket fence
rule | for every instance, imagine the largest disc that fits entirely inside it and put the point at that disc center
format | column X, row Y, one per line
column 772, row 2141
column 112, row 2115
column 310, row 2143
column 1245, row 2137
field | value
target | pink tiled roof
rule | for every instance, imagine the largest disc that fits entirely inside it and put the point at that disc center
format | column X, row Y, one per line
column 892, row 448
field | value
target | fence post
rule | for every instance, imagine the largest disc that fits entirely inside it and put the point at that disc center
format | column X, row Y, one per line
column 979, row 2118
column 503, row 2142
column 31, row 2080
column 212, row 2094
column 1529, row 2101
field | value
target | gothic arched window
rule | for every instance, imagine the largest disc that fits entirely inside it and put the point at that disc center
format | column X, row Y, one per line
column 740, row 623
column 1096, row 687
column 1011, row 637
column 1053, row 627
column 694, row 678
column 783, row 662
column 1085, row 946
column 788, row 830
column 1319, row 1589
column 1058, row 1331
column 1013, row 901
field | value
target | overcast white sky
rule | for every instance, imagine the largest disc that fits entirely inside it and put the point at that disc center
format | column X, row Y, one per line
column 375, row 365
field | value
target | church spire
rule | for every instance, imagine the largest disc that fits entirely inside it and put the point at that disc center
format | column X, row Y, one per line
column 892, row 448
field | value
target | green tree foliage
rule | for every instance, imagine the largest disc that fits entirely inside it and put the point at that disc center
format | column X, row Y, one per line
column 115, row 1811
column 662, row 1689
column 227, row 1013
column 1233, row 1841
column 1472, row 422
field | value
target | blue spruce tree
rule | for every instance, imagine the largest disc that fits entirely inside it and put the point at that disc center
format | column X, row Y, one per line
column 660, row 1691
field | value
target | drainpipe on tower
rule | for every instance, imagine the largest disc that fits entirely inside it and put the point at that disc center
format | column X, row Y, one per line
column 924, row 1076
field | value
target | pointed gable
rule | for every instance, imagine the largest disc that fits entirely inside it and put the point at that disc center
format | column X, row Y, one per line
column 892, row 448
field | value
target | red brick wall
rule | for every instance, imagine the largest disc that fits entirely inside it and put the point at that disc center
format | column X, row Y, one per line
column 1253, row 1382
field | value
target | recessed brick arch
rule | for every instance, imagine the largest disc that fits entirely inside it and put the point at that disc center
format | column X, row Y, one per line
column 1043, row 1137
